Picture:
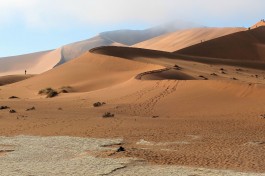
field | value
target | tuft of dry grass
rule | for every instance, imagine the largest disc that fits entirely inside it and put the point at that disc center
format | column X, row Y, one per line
column 107, row 115
column 65, row 89
column 49, row 92
column 98, row 104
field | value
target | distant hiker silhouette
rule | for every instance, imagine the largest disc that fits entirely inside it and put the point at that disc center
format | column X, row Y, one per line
column 25, row 72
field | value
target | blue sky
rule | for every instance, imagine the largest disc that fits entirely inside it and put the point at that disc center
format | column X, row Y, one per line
column 34, row 25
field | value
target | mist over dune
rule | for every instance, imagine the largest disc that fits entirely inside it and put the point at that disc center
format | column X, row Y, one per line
column 122, row 38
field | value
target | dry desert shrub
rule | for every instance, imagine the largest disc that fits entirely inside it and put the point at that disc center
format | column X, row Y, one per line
column 31, row 109
column 98, row 104
column 12, row 111
column 4, row 107
column 65, row 89
column 107, row 115
column 13, row 97
column 49, row 92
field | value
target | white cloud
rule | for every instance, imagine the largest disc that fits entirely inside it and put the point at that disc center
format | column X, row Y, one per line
column 61, row 13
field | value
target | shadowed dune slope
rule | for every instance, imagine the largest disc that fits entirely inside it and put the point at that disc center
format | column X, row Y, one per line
column 185, row 38
column 246, row 45
column 131, row 53
column 157, row 57
column 4, row 80
column 164, row 74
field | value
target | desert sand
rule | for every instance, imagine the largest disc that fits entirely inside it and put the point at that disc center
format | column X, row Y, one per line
column 174, row 113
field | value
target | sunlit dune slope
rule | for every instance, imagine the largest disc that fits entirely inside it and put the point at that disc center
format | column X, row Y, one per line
column 185, row 38
column 34, row 63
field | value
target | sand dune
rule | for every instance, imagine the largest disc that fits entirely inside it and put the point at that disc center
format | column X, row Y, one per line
column 40, row 62
column 88, row 72
column 185, row 38
column 120, row 38
column 74, row 50
column 34, row 63
column 246, row 45
column 108, row 66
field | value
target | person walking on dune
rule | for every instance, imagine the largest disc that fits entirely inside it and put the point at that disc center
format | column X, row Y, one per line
column 25, row 72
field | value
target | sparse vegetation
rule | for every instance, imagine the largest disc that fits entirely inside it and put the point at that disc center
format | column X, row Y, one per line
column 214, row 74
column 203, row 77
column 4, row 107
column 98, row 104
column 65, row 89
column 49, row 92
column 45, row 91
column 12, row 111
column 107, row 115
column 52, row 94
column 31, row 109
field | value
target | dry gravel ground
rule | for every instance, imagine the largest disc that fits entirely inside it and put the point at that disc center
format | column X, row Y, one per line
column 32, row 155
